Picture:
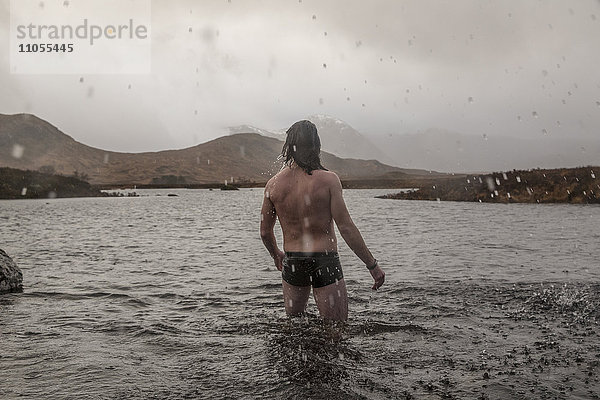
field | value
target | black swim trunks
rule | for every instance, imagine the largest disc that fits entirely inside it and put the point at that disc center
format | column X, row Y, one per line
column 317, row 269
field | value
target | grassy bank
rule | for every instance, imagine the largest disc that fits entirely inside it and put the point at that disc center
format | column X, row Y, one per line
column 565, row 185
column 19, row 184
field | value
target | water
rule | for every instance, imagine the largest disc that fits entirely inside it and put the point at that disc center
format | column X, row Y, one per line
column 175, row 297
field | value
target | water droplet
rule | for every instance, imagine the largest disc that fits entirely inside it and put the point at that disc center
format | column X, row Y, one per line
column 306, row 222
column 307, row 200
column 294, row 148
column 208, row 162
column 17, row 151
column 324, row 65
column 358, row 43
column 504, row 176
column 106, row 158
column 598, row 103
column 544, row 131
column 470, row 99
column 81, row 80
column 23, row 191
column 52, row 194
column 593, row 175
column 324, row 33
column 320, row 101
column 314, row 16
column 593, row 17
column 485, row 136
column 558, row 123
column 498, row 181
column 267, row 194
column 66, row 3
column 519, row 179
column 544, row 72
column 190, row 29
column 535, row 114
column 347, row 98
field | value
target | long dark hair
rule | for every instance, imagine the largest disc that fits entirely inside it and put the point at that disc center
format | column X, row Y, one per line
column 303, row 146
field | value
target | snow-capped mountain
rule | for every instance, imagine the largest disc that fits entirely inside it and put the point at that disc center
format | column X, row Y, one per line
column 337, row 137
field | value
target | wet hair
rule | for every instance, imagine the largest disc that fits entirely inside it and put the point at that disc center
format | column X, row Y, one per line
column 303, row 146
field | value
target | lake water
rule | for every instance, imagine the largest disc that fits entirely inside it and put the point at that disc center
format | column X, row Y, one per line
column 175, row 297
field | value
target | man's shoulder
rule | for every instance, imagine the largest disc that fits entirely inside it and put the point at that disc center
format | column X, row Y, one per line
column 278, row 176
column 327, row 177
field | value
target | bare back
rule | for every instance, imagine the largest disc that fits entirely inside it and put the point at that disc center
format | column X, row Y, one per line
column 303, row 206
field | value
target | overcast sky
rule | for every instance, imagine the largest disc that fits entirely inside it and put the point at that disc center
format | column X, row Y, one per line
column 475, row 67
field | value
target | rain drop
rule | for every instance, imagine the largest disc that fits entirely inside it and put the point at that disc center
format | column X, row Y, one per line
column 17, row 151
column 535, row 114
column 498, row 181
column 598, row 104
column 23, row 191
column 519, row 179
column 81, row 80
column 544, row 131
column 106, row 158
column 324, row 65
column 320, row 101
column 190, row 29
column 66, row 3
column 470, row 99
column 324, row 33
column 314, row 17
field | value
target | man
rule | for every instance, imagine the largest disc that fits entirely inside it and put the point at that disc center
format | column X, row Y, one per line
column 307, row 198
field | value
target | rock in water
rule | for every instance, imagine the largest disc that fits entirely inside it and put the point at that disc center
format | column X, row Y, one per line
column 11, row 277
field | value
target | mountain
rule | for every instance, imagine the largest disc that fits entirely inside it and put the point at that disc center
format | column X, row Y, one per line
column 28, row 142
column 341, row 139
column 443, row 150
column 233, row 130
column 337, row 137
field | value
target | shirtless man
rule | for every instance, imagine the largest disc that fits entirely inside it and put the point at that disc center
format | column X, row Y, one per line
column 307, row 198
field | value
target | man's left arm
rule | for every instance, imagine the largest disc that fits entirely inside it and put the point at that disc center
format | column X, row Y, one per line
column 268, row 216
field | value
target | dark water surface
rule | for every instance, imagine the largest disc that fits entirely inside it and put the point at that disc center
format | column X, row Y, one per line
column 175, row 297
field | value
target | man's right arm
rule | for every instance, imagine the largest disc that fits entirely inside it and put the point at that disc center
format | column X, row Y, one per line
column 350, row 232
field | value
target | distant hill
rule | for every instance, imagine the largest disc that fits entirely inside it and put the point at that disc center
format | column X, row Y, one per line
column 28, row 142
column 443, row 150
column 565, row 185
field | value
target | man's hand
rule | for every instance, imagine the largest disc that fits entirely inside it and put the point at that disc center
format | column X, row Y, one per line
column 278, row 259
column 379, row 277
